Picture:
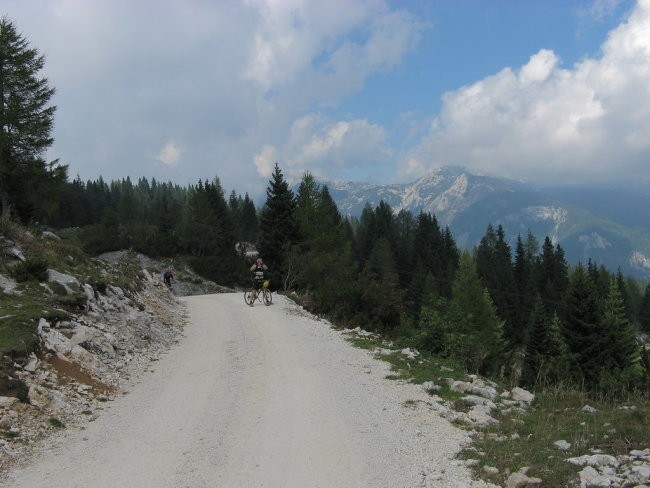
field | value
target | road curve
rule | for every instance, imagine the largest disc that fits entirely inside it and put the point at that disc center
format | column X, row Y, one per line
column 258, row 397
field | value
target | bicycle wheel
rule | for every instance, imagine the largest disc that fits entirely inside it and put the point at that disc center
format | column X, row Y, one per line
column 248, row 297
column 268, row 298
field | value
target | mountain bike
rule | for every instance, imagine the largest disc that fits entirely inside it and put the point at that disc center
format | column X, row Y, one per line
column 263, row 295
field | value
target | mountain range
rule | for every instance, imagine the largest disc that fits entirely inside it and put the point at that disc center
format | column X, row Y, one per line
column 609, row 224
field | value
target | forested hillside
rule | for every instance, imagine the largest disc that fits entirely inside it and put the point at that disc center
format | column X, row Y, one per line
column 525, row 315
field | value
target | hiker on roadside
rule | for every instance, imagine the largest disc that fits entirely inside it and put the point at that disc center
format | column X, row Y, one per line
column 168, row 277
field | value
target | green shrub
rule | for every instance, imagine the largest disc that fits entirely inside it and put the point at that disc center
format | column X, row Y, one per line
column 29, row 270
column 56, row 422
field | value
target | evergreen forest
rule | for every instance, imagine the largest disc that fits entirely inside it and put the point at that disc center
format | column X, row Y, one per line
column 520, row 313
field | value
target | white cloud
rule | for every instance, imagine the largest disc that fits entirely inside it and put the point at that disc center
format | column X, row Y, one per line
column 265, row 160
column 170, row 154
column 336, row 149
column 317, row 52
column 541, row 122
column 229, row 79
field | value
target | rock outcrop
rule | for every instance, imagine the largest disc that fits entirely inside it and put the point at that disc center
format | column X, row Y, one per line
column 85, row 360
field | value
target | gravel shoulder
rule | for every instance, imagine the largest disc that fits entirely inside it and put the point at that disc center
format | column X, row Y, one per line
column 258, row 396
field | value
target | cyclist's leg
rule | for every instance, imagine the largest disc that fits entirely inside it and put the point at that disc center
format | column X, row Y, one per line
column 258, row 289
column 268, row 299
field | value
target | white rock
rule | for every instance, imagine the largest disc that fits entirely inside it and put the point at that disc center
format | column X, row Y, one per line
column 58, row 401
column 642, row 471
column 62, row 278
column 38, row 396
column 521, row 395
column 590, row 478
column 32, row 364
column 410, row 353
column 50, row 235
column 477, row 400
column 484, row 391
column 640, row 454
column 6, row 401
column 490, row 470
column 430, row 386
column 589, row 409
column 90, row 293
column 562, row 445
column 594, row 460
column 520, row 480
column 479, row 415
column 7, row 284
column 461, row 386
column 15, row 251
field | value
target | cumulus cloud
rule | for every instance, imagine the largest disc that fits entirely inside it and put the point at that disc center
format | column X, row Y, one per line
column 589, row 122
column 325, row 50
column 229, row 79
column 170, row 154
column 334, row 149
column 265, row 160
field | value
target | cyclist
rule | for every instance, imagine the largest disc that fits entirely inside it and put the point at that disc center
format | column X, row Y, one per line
column 168, row 277
column 258, row 269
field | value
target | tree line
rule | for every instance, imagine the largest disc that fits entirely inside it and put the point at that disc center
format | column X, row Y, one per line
column 525, row 315
column 519, row 312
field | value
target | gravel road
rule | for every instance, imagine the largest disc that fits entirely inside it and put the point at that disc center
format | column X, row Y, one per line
column 258, row 397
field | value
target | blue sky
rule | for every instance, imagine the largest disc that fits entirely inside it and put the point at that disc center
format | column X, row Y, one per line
column 542, row 91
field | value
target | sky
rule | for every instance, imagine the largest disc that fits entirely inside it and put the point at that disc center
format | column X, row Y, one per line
column 547, row 92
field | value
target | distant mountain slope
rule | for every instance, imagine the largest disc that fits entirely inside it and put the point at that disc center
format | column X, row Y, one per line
column 609, row 225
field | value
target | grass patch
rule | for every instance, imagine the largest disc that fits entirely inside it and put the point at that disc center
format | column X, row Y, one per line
column 363, row 343
column 525, row 438
column 56, row 422
column 18, row 321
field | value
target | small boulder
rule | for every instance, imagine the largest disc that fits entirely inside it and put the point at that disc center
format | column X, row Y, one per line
column 562, row 445
column 7, row 401
column 50, row 235
column 520, row 480
column 521, row 395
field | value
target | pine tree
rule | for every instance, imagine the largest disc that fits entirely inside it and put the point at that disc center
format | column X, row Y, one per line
column 450, row 258
column 621, row 348
column 552, row 277
column 644, row 311
column 382, row 297
column 428, row 249
column 582, row 330
column 545, row 348
column 625, row 294
column 278, row 231
column 524, row 281
column 248, row 224
column 405, row 226
column 477, row 338
column 27, row 182
column 494, row 266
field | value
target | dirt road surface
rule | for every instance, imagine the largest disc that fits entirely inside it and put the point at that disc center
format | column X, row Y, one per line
column 258, row 397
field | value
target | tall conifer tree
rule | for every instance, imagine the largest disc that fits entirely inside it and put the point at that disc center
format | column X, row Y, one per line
column 27, row 182
column 278, row 230
column 582, row 330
